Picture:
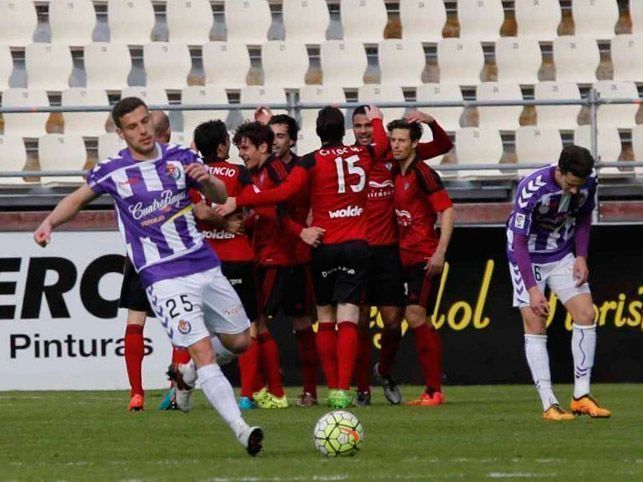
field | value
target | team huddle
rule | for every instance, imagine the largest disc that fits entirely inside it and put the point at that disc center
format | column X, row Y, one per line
column 215, row 250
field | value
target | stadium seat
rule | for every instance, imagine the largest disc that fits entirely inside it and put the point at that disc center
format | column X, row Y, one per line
column 626, row 57
column 284, row 63
column 595, row 18
column 343, row 63
column 460, row 61
column 401, row 62
column 130, row 22
column 109, row 144
column 322, row 94
column 247, row 21
column 305, row 21
column 226, row 64
column 479, row 146
column 88, row 124
column 307, row 141
column 181, row 138
column 167, row 64
column 622, row 116
column 202, row 94
column 28, row 124
column 480, row 19
column 72, row 22
column 637, row 147
column 376, row 94
column 422, row 20
column 261, row 95
column 448, row 117
column 107, row 65
column 61, row 152
column 502, row 118
column 13, row 157
column 576, row 59
column 435, row 162
column 537, row 145
column 608, row 144
column 233, row 154
column 6, row 66
column 48, row 66
column 538, row 20
column 18, row 22
column 189, row 22
column 558, row 116
column 636, row 14
column 363, row 20
column 518, row 60
column 150, row 95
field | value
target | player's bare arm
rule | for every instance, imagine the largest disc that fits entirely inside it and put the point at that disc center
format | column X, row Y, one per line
column 213, row 188
column 581, row 271
column 435, row 264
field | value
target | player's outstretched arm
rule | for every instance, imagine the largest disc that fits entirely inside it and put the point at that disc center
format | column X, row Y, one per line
column 436, row 263
column 63, row 212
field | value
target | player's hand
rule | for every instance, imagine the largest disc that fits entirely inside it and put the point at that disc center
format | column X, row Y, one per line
column 538, row 303
column 227, row 207
column 263, row 114
column 435, row 265
column 373, row 112
column 42, row 235
column 417, row 116
column 198, row 172
column 312, row 236
column 235, row 225
column 581, row 271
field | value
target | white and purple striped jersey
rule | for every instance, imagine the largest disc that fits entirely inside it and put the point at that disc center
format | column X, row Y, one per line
column 154, row 212
column 547, row 216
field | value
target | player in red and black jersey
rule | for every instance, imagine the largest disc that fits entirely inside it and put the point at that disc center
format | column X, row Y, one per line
column 419, row 198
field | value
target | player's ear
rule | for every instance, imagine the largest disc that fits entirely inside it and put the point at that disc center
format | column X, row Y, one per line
column 119, row 131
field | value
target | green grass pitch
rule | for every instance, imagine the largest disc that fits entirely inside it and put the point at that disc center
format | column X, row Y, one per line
column 486, row 432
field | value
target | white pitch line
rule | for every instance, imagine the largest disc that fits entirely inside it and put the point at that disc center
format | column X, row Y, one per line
column 518, row 475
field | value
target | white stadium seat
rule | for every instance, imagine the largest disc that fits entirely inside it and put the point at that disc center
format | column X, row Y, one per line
column 233, row 154
column 247, row 21
column 28, row 124
column 319, row 94
column 84, row 123
column 576, row 59
column 60, row 152
column 518, row 60
column 13, row 157
column 376, row 94
column 558, row 116
column 130, row 22
column 363, row 20
column 107, row 65
column 401, row 62
column 261, row 95
column 109, row 144
column 167, row 64
column 460, row 61
column 537, row 145
column 48, row 66
column 622, row 116
column 307, row 141
column 480, row 19
column 626, row 57
column 6, row 66
column 502, row 118
column 595, row 18
column 189, row 22
column 202, row 94
column 72, row 22
column 18, row 22
column 305, row 20
column 284, row 63
column 608, row 144
column 637, row 147
column 538, row 20
column 636, row 14
column 479, row 146
column 150, row 95
column 226, row 64
column 343, row 63
column 422, row 20
column 448, row 117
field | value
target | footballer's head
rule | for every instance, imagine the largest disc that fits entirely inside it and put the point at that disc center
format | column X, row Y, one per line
column 285, row 129
column 134, row 125
column 212, row 140
column 254, row 141
column 330, row 125
column 362, row 126
column 161, row 123
column 404, row 137
column 575, row 164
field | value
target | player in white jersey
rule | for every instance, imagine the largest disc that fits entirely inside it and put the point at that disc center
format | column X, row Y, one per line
column 547, row 243
column 190, row 296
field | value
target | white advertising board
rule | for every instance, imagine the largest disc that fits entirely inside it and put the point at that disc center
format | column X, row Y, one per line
column 60, row 326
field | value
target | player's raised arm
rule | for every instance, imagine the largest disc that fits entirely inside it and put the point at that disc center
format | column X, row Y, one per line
column 441, row 143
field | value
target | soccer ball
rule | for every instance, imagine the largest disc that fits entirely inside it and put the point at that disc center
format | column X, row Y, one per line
column 338, row 433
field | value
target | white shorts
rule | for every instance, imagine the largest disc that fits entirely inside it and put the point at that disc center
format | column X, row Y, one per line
column 197, row 306
column 559, row 276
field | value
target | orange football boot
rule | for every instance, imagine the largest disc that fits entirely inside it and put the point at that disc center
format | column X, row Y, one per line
column 587, row 405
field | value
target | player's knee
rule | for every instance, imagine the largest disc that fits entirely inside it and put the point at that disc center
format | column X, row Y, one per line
column 239, row 343
column 585, row 316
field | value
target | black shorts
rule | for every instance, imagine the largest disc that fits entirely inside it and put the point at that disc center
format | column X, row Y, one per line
column 283, row 287
column 419, row 288
column 133, row 296
column 242, row 278
column 339, row 272
column 299, row 296
column 384, row 285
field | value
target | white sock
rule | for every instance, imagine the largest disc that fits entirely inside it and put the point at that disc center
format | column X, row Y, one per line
column 583, row 349
column 224, row 356
column 219, row 393
column 538, row 361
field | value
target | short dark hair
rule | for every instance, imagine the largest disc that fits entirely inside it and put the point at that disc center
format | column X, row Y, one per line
column 359, row 110
column 208, row 136
column 256, row 132
column 415, row 129
column 330, row 124
column 124, row 107
column 576, row 160
column 293, row 127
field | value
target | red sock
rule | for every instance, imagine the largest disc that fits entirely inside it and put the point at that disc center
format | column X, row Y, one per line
column 390, row 345
column 426, row 349
column 308, row 359
column 363, row 362
column 435, row 351
column 134, row 358
column 180, row 355
column 327, row 349
column 347, row 347
column 248, row 367
column 269, row 352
